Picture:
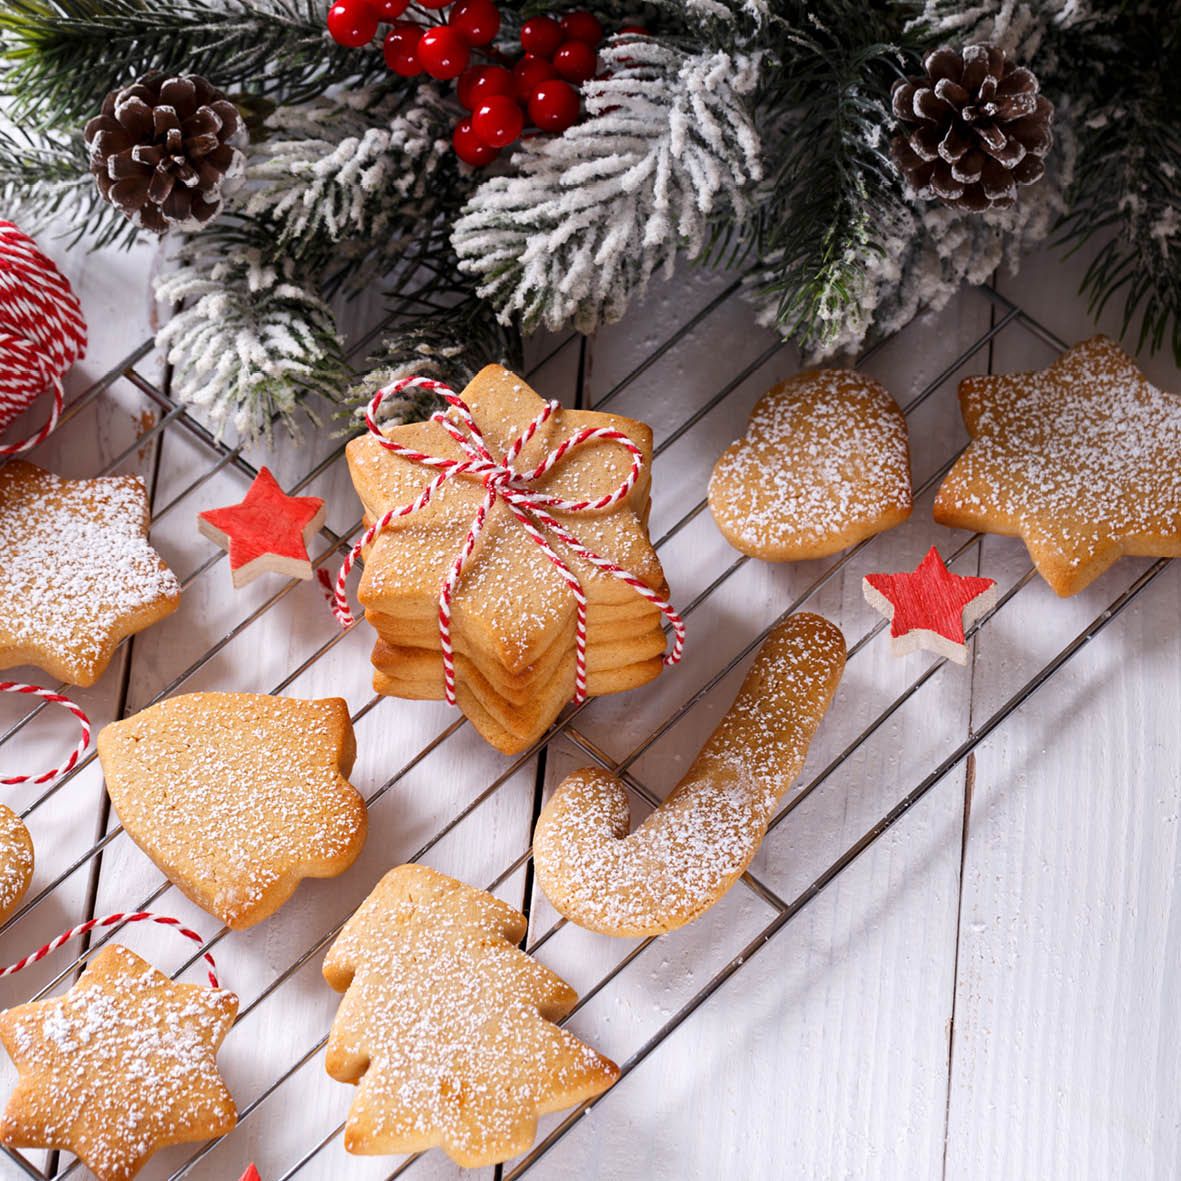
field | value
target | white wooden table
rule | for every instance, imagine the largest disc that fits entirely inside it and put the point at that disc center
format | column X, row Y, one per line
column 988, row 991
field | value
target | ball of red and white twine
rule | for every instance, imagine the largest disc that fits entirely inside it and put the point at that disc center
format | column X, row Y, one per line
column 42, row 332
column 112, row 920
column 529, row 506
column 78, row 751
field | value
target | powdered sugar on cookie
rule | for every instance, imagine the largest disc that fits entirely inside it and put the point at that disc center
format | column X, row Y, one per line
column 447, row 1026
column 78, row 574
column 121, row 1065
column 701, row 839
column 1082, row 460
column 238, row 796
column 824, row 463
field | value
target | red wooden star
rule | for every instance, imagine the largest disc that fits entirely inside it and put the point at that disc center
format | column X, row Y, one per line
column 268, row 530
column 251, row 1174
column 931, row 607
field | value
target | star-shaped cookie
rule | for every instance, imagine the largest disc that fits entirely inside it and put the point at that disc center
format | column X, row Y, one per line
column 238, row 797
column 930, row 607
column 511, row 599
column 121, row 1065
column 1082, row 461
column 77, row 574
column 266, row 531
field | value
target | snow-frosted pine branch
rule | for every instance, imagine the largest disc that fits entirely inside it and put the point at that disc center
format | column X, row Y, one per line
column 589, row 216
column 252, row 342
column 352, row 166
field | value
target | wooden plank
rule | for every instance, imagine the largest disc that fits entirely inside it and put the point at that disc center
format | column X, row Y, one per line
column 1065, row 1059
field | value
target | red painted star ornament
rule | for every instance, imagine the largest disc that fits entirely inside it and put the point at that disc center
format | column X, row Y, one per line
column 930, row 608
column 251, row 1174
column 267, row 531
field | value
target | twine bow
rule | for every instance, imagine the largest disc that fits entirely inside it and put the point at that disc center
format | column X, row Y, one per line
column 42, row 332
column 530, row 506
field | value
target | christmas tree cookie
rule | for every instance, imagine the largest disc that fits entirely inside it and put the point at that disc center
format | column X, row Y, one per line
column 447, row 1027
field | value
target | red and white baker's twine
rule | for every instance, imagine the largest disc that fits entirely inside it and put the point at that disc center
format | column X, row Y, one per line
column 42, row 332
column 78, row 751
column 113, row 920
column 529, row 506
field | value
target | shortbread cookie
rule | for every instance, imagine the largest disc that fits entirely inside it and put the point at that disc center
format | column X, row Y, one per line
column 16, row 861
column 511, row 600
column 77, row 575
column 238, row 796
column 1082, row 461
column 123, row 1064
column 447, row 1027
column 824, row 463
column 266, row 532
column 697, row 843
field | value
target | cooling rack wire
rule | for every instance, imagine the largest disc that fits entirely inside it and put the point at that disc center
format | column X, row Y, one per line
column 1005, row 317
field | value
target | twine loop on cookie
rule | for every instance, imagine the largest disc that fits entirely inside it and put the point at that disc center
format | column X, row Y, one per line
column 78, row 751
column 42, row 332
column 112, row 920
column 527, row 503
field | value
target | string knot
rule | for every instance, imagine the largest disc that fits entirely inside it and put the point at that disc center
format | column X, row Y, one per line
column 523, row 495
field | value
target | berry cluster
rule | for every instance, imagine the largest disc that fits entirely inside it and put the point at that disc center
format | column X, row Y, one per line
column 558, row 55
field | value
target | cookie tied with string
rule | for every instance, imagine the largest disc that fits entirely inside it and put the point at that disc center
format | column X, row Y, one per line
column 514, row 641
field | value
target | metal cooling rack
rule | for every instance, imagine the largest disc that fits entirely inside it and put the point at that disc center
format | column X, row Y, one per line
column 173, row 416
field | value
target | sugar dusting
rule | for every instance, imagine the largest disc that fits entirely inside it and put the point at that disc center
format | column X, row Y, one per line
column 824, row 453
column 1079, row 458
column 76, row 567
column 447, row 1026
column 16, row 859
column 122, row 1064
column 694, row 846
column 236, row 796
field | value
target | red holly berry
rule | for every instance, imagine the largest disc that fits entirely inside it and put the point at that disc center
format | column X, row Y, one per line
column 401, row 49
column 443, row 53
column 469, row 147
column 351, row 23
column 555, row 105
column 529, row 73
column 575, row 61
column 635, row 30
column 541, row 35
column 499, row 121
column 433, row 3
column 477, row 84
column 476, row 21
column 582, row 26
column 388, row 10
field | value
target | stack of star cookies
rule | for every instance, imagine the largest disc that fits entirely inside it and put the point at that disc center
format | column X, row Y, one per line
column 514, row 617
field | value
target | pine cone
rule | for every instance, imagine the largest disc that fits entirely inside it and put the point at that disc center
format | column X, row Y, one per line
column 972, row 128
column 163, row 150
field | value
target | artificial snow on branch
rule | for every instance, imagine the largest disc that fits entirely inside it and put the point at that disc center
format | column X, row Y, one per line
column 451, row 345
column 588, row 217
column 252, row 341
column 367, row 164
